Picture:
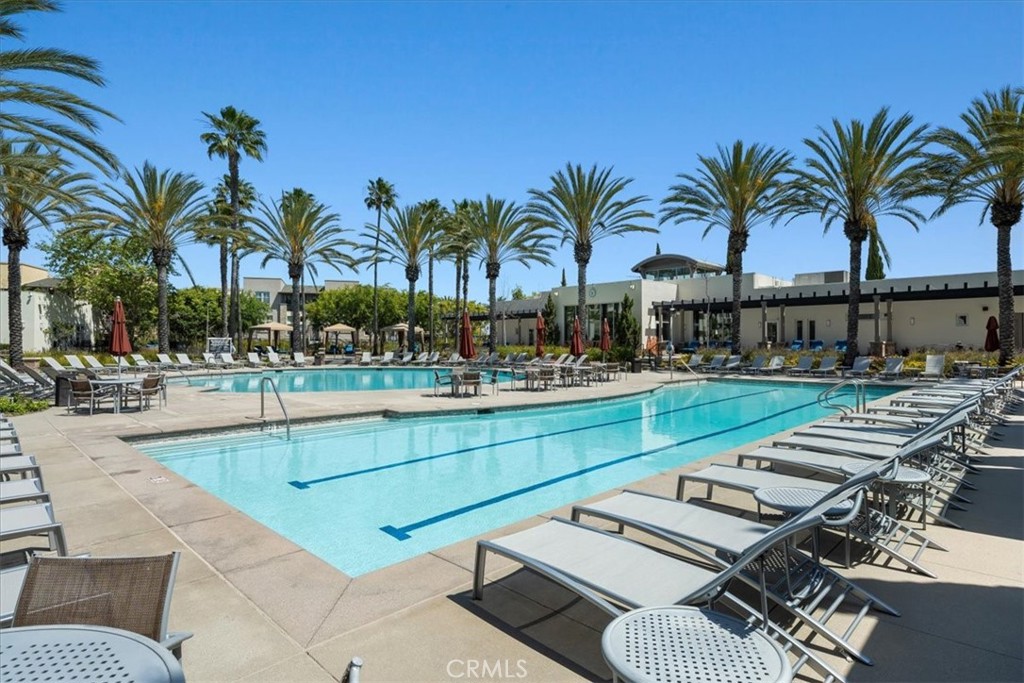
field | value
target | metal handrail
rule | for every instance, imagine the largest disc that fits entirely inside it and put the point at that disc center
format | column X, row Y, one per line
column 287, row 422
column 825, row 398
column 686, row 365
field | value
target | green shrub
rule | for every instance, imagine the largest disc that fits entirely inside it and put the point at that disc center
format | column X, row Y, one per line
column 21, row 405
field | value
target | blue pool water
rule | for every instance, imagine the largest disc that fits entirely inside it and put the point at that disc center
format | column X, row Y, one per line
column 324, row 379
column 365, row 494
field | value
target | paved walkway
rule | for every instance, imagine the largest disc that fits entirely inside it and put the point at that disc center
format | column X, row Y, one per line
column 263, row 609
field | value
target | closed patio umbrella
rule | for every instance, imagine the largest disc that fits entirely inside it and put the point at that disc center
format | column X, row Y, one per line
column 992, row 337
column 466, row 348
column 606, row 338
column 540, row 335
column 120, row 345
column 576, row 345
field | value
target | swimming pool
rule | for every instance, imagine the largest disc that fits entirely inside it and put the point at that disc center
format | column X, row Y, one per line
column 364, row 494
column 323, row 379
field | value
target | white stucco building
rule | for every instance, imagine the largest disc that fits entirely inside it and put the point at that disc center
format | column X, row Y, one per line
column 49, row 317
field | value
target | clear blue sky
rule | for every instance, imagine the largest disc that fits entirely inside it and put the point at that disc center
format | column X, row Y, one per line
column 454, row 100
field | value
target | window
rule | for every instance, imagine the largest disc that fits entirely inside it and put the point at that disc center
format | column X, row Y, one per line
column 961, row 320
column 800, row 329
column 811, row 334
column 264, row 297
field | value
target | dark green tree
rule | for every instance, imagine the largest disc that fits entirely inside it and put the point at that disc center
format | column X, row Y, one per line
column 626, row 335
column 380, row 197
column 552, row 332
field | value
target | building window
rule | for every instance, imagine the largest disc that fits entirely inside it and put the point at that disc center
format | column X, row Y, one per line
column 264, row 297
column 961, row 320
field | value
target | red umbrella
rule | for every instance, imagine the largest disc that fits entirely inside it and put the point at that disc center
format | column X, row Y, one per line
column 606, row 337
column 119, row 344
column 992, row 338
column 540, row 335
column 576, row 345
column 466, row 348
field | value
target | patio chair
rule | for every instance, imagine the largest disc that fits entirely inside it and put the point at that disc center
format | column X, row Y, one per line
column 934, row 367
column 129, row 593
column 442, row 381
column 827, row 367
column 184, row 362
column 83, row 391
column 366, row 358
column 802, row 367
column 298, row 359
column 893, row 368
column 151, row 386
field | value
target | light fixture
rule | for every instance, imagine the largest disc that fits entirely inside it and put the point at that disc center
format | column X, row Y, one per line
column 912, row 321
column 828, row 323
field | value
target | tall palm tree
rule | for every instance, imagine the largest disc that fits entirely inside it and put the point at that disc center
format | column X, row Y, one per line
column 505, row 233
column 301, row 232
column 39, row 190
column 409, row 238
column 585, row 207
column 44, row 113
column 440, row 217
column 234, row 133
column 856, row 174
column 736, row 190
column 986, row 164
column 380, row 197
column 161, row 210
column 454, row 244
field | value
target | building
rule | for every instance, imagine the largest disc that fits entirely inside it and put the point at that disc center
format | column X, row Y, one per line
column 49, row 317
column 277, row 294
column 683, row 299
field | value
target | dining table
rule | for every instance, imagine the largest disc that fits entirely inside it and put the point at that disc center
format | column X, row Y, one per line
column 84, row 652
column 118, row 384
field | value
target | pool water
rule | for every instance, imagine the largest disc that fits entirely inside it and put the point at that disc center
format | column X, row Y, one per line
column 324, row 379
column 365, row 494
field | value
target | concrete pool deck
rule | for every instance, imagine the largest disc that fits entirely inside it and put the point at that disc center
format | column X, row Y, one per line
column 263, row 609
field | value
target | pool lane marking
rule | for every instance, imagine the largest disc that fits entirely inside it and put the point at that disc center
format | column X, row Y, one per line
column 402, row 533
column 461, row 451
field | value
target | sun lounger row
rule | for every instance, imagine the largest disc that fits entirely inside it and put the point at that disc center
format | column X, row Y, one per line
column 680, row 552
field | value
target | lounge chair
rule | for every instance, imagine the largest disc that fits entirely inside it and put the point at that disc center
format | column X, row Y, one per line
column 55, row 366
column 827, row 367
column 94, row 364
column 756, row 365
column 166, row 363
column 453, row 359
column 274, row 360
column 797, row 345
column 774, row 364
column 228, row 360
column 298, row 359
column 141, row 362
column 861, row 366
column 366, row 358
column 212, row 361
column 22, row 490
column 387, row 358
column 817, row 345
column 252, row 359
column 20, row 382
column 802, row 367
column 893, row 368
column 184, row 362
column 732, row 364
column 130, row 593
column 840, row 346
column 420, row 359
column 934, row 367
column 715, row 364
column 21, row 521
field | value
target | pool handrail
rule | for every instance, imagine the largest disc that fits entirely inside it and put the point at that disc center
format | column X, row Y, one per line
column 280, row 402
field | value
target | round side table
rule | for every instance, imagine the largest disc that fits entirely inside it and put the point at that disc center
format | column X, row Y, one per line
column 688, row 644
column 904, row 477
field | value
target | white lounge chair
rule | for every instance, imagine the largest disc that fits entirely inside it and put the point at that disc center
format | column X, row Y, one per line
column 366, row 358
column 253, row 360
column 934, row 367
column 141, row 362
column 387, row 358
column 298, row 359
column 54, row 365
column 184, row 362
column 774, row 364
column 274, row 360
column 861, row 366
column 827, row 367
column 893, row 368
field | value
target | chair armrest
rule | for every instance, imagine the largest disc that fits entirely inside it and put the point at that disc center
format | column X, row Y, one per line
column 174, row 640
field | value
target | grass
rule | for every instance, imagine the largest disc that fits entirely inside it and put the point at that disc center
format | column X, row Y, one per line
column 22, row 405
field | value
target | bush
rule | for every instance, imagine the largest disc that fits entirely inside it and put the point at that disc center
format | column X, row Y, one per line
column 21, row 405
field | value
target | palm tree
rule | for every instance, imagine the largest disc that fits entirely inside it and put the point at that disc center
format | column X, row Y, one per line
column 301, row 232
column 24, row 105
column 234, row 133
column 505, row 233
column 986, row 164
column 39, row 190
column 855, row 175
column 736, row 190
column 440, row 217
column 161, row 210
column 410, row 237
column 380, row 196
column 585, row 208
column 454, row 243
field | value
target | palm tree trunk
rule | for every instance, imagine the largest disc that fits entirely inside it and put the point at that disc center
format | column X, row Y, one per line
column 458, row 310
column 581, row 252
column 853, row 312
column 296, row 276
column 224, row 287
column 163, row 316
column 411, row 309
column 465, row 283
column 1004, row 276
column 493, row 268
column 737, row 293
column 375, row 331
column 430, row 297
column 235, row 323
column 15, row 325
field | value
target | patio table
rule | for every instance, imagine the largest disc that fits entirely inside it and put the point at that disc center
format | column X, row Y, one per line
column 35, row 653
column 118, row 384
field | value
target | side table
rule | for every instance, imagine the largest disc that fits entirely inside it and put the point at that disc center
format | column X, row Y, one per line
column 678, row 643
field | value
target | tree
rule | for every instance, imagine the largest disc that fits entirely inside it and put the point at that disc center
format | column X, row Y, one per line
column 161, row 210
column 96, row 269
column 626, row 334
column 380, row 197
column 875, row 269
column 855, row 175
column 406, row 243
column 517, row 293
column 736, row 191
column 439, row 216
column 44, row 113
column 191, row 311
column 234, row 133
column 657, row 248
column 552, row 332
column 504, row 233
column 301, row 232
column 39, row 191
column 563, row 277
column 217, row 231
column 354, row 306
column 986, row 164
column 585, row 208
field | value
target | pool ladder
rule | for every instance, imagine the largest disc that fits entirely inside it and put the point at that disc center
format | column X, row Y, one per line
column 263, row 412
column 860, row 396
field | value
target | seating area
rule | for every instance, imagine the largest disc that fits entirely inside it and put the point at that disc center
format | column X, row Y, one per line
column 518, row 373
column 859, row 489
